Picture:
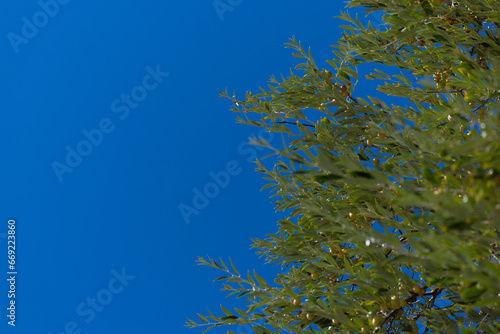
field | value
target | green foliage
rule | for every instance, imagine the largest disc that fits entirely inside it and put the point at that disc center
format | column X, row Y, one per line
column 393, row 210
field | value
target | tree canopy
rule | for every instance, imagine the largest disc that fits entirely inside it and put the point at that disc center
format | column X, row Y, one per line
column 393, row 209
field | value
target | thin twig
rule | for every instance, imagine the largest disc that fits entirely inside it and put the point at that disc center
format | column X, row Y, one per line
column 486, row 316
column 286, row 122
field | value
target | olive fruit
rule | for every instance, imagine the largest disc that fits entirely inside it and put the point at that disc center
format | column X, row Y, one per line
column 394, row 302
column 418, row 290
column 376, row 320
column 384, row 308
column 341, row 254
column 343, row 91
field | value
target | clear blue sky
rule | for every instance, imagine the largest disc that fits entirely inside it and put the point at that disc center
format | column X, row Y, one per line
column 110, row 119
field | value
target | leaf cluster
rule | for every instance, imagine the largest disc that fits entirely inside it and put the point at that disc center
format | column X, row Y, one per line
column 393, row 212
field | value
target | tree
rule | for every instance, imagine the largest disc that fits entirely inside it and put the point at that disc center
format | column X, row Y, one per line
column 393, row 211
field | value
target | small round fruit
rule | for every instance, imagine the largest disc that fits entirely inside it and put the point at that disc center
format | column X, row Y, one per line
column 384, row 308
column 344, row 90
column 418, row 290
column 376, row 320
column 421, row 42
column 315, row 276
column 394, row 302
column 403, row 303
column 297, row 302
column 341, row 254
column 310, row 316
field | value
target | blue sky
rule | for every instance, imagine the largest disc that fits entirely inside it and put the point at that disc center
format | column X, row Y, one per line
column 111, row 121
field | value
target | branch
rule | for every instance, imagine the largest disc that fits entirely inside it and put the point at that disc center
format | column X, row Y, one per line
column 486, row 316
column 434, row 294
column 286, row 122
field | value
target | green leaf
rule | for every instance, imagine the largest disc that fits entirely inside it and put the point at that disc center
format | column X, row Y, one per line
column 472, row 293
column 426, row 5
